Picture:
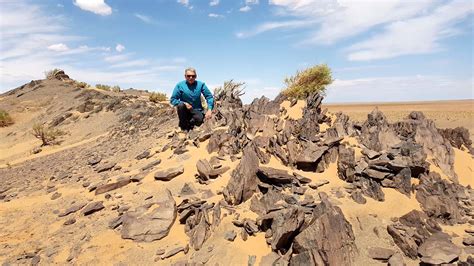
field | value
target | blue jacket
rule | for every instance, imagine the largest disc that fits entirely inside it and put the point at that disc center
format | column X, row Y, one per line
column 184, row 92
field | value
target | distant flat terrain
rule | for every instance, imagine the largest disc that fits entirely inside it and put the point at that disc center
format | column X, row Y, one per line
column 446, row 114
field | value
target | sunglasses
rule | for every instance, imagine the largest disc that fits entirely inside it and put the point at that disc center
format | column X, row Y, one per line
column 191, row 76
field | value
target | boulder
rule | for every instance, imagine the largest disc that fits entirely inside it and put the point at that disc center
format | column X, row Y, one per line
column 243, row 182
column 151, row 221
column 438, row 249
column 169, row 174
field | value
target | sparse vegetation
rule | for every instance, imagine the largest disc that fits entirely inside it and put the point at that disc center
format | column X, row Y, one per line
column 81, row 84
column 313, row 79
column 234, row 89
column 51, row 74
column 47, row 135
column 5, row 119
column 103, row 87
column 158, row 97
column 116, row 88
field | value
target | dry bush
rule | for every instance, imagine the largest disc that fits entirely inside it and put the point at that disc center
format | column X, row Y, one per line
column 304, row 83
column 81, row 84
column 51, row 74
column 103, row 87
column 116, row 88
column 47, row 135
column 231, row 90
column 158, row 97
column 5, row 119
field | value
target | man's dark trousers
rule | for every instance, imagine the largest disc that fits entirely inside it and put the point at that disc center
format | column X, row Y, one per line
column 188, row 118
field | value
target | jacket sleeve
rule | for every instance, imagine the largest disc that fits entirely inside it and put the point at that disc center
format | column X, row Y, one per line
column 209, row 97
column 175, row 98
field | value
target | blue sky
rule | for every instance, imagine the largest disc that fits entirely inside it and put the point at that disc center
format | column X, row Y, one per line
column 378, row 50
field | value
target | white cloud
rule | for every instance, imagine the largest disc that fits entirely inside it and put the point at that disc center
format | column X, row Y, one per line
column 251, row 2
column 212, row 15
column 59, row 47
column 119, row 48
column 245, row 9
column 185, row 3
column 98, row 7
column 418, row 35
column 271, row 26
column 408, row 27
column 403, row 88
column 214, row 2
column 145, row 18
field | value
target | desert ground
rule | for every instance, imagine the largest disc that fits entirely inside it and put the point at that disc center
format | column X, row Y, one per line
column 446, row 114
column 51, row 210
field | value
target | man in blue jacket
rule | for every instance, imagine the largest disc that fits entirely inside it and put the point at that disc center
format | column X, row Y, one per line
column 187, row 98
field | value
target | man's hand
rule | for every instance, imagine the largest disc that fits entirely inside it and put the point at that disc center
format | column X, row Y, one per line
column 188, row 106
column 208, row 114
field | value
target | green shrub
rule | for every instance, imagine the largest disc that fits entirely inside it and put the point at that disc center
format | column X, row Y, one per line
column 158, row 97
column 47, row 135
column 51, row 74
column 313, row 79
column 103, row 87
column 5, row 119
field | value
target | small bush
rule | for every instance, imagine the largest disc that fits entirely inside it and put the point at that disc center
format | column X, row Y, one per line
column 116, row 88
column 51, row 74
column 5, row 119
column 158, row 97
column 47, row 135
column 103, row 87
column 81, row 85
column 313, row 79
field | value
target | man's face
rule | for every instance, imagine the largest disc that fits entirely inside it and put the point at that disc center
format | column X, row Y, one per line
column 190, row 77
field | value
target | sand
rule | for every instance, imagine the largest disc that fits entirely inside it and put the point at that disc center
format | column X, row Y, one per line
column 30, row 222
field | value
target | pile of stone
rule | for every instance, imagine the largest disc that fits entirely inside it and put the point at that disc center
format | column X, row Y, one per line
column 195, row 214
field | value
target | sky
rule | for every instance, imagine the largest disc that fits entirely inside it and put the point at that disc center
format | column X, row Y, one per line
column 378, row 50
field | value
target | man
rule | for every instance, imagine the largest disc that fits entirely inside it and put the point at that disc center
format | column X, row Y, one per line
column 187, row 98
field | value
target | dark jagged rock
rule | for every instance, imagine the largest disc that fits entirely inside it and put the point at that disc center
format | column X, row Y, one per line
column 346, row 164
column 143, row 155
column 151, row 165
column 112, row 186
column 105, row 167
column 376, row 133
column 328, row 237
column 411, row 231
column 195, row 216
column 446, row 202
column 93, row 207
column 312, row 117
column 310, row 157
column 144, row 225
column 275, row 176
column 438, row 249
column 285, row 225
column 424, row 132
column 458, row 137
column 169, row 174
column 343, row 125
column 358, row 197
column 243, row 182
column 401, row 181
column 72, row 209
column 206, row 171
column 371, row 188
